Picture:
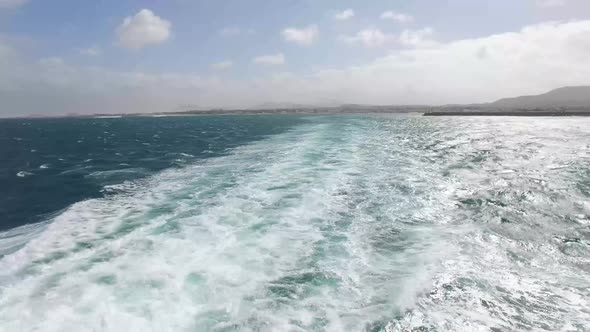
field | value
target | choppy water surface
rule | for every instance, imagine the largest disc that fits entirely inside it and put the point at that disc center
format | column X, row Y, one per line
column 356, row 223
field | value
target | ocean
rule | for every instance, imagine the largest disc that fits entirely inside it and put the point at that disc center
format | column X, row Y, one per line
column 295, row 223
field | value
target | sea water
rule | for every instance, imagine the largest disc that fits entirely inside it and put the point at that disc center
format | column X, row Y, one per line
column 295, row 223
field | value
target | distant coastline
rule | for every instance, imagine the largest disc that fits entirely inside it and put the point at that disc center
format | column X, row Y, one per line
column 511, row 113
column 566, row 101
column 415, row 110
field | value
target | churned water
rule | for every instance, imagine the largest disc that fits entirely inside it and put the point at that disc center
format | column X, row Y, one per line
column 287, row 223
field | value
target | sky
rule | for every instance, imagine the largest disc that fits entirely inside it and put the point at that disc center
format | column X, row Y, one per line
column 126, row 56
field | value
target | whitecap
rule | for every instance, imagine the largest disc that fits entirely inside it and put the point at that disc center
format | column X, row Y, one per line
column 108, row 117
column 76, row 170
column 23, row 174
column 102, row 174
column 117, row 175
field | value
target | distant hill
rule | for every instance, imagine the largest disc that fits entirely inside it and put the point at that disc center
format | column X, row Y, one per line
column 269, row 106
column 573, row 96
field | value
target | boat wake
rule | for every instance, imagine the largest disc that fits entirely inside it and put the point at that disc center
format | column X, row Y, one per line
column 378, row 223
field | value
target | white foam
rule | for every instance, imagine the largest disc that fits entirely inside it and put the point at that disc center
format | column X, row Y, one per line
column 335, row 225
column 238, row 227
column 23, row 174
column 16, row 238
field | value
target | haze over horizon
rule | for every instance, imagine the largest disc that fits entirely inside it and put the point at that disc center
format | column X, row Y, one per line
column 65, row 56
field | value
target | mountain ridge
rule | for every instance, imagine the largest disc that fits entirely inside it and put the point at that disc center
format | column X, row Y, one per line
column 569, row 96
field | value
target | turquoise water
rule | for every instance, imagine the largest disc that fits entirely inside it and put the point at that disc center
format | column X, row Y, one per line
column 353, row 223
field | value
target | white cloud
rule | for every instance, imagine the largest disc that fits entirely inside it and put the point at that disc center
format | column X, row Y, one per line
column 143, row 29
column 222, row 65
column 462, row 71
column 91, row 51
column 417, row 38
column 398, row 17
column 12, row 3
column 374, row 38
column 370, row 38
column 475, row 70
column 273, row 59
column 551, row 3
column 344, row 15
column 305, row 36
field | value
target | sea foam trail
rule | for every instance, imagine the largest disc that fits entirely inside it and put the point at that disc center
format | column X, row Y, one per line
column 354, row 223
column 271, row 237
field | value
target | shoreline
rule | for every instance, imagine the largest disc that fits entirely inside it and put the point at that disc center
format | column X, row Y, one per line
column 415, row 111
column 509, row 113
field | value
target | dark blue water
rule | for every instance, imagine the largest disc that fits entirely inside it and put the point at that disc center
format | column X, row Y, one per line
column 48, row 164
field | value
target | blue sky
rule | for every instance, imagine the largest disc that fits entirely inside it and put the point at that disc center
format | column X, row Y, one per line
column 208, row 50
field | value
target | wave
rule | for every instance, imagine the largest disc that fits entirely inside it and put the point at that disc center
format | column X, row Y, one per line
column 23, row 174
column 355, row 223
column 118, row 174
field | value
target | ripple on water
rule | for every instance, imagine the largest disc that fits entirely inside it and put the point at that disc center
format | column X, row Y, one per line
column 343, row 223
